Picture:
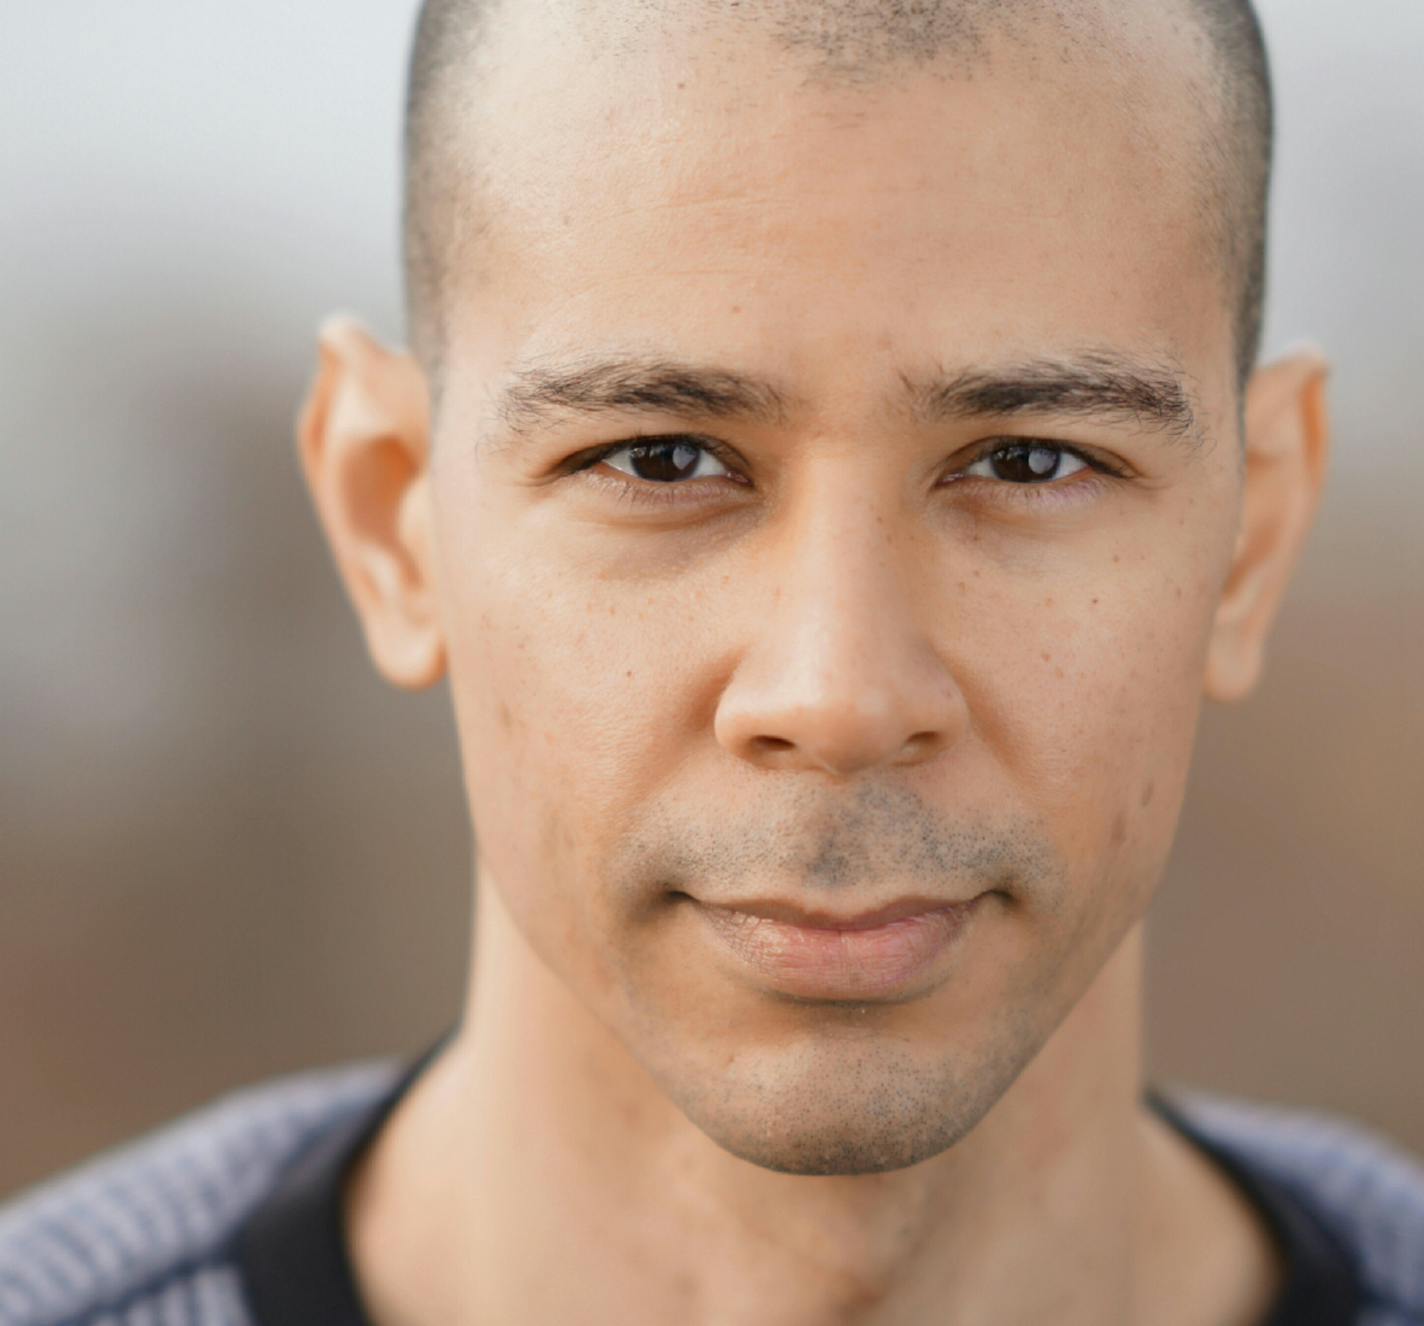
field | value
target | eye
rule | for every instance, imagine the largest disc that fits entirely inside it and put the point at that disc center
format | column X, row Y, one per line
column 1028, row 463
column 664, row 460
column 651, row 469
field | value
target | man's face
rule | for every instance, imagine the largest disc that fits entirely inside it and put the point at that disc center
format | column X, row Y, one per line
column 844, row 655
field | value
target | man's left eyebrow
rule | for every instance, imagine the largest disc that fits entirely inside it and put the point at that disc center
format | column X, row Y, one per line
column 1096, row 386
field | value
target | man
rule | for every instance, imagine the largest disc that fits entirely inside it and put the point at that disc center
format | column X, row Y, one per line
column 831, row 466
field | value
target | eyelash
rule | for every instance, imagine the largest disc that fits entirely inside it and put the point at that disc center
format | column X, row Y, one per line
column 647, row 493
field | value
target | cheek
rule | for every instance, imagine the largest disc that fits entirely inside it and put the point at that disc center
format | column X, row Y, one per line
column 1095, row 721
column 568, row 716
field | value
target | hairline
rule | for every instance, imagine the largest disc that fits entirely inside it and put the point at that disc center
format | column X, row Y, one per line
column 1237, row 144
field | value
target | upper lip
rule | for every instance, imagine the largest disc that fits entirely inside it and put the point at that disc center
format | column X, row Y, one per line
column 773, row 909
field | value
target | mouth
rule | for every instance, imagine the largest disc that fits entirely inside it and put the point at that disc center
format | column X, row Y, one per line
column 885, row 954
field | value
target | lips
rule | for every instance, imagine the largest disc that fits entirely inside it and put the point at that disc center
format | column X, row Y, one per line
column 881, row 954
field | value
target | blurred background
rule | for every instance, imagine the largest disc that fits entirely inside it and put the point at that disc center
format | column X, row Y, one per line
column 228, row 851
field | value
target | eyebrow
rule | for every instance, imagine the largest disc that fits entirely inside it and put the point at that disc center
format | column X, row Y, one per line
column 1151, row 394
column 652, row 385
column 1106, row 386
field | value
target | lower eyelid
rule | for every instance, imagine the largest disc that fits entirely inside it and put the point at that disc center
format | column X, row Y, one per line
column 1082, row 486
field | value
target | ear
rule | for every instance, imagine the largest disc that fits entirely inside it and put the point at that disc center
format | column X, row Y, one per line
column 1287, row 444
column 364, row 441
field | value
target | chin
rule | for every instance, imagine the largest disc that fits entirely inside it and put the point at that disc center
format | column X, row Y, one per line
column 841, row 1147
column 823, row 1110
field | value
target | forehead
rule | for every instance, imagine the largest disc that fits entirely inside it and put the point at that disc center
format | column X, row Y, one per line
column 701, row 192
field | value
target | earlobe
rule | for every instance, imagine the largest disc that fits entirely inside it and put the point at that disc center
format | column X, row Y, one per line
column 363, row 436
column 1286, row 450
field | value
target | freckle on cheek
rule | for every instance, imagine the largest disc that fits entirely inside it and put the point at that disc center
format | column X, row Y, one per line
column 1148, row 793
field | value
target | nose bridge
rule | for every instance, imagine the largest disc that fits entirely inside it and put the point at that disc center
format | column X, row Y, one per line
column 837, row 672
column 840, row 572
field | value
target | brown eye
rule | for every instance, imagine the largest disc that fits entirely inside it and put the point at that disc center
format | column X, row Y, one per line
column 1027, row 462
column 664, row 461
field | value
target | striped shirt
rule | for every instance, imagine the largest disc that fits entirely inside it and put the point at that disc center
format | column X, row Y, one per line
column 230, row 1215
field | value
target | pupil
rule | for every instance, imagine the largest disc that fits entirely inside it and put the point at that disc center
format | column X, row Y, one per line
column 662, row 462
column 1026, row 463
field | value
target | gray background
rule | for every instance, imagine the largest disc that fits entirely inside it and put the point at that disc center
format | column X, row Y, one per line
column 227, row 851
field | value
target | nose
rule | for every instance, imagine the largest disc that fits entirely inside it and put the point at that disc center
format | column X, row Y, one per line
column 839, row 674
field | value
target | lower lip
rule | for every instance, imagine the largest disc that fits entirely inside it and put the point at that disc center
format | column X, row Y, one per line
column 807, row 962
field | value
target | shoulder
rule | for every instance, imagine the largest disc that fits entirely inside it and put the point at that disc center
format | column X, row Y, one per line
column 146, row 1228
column 1367, row 1189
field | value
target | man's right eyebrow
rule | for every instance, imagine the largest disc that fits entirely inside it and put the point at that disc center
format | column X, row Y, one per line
column 537, row 393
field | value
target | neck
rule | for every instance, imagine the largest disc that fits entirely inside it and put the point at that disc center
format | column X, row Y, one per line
column 535, row 1172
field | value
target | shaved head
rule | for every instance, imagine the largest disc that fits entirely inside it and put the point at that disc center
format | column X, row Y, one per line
column 836, row 44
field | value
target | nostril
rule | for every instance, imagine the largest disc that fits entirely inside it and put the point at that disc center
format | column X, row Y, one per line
column 770, row 743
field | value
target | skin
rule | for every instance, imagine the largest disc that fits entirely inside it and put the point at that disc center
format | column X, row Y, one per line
column 845, row 664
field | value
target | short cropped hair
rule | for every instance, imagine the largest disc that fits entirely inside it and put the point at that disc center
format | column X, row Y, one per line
column 853, row 37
